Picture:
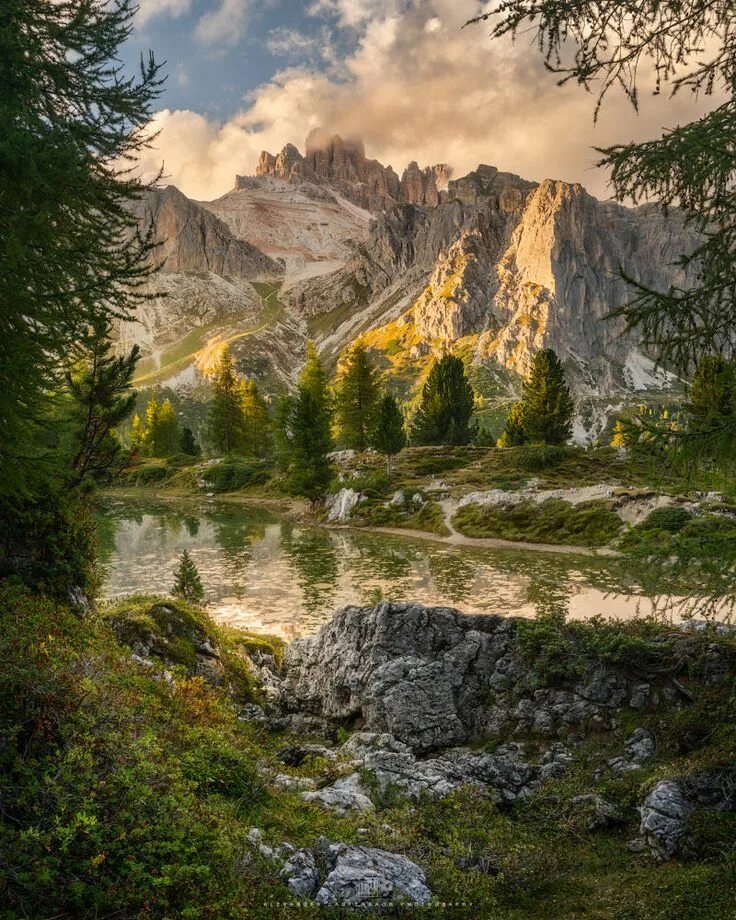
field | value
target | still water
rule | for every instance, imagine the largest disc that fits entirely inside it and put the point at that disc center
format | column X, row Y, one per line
column 265, row 573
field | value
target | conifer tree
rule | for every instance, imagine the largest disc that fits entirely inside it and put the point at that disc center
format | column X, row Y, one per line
column 310, row 470
column 187, row 583
column 356, row 399
column 546, row 405
column 187, row 443
column 389, row 435
column 166, row 435
column 256, row 422
column 710, row 412
column 513, row 432
column 71, row 252
column 226, row 423
column 137, row 433
column 100, row 387
column 620, row 438
column 153, row 410
column 446, row 405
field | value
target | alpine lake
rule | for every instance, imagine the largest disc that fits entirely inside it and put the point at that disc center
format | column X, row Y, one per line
column 264, row 572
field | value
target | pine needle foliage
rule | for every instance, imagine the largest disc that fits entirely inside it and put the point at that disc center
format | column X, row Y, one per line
column 71, row 252
column 356, row 399
column 187, row 583
column 389, row 436
column 446, row 405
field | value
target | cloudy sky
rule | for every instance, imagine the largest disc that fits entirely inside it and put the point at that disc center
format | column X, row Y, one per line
column 249, row 75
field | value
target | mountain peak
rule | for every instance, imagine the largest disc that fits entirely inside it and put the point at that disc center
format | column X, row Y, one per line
column 342, row 164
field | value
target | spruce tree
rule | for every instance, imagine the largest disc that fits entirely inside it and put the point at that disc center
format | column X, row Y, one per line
column 102, row 397
column 546, row 405
column 310, row 470
column 226, row 422
column 256, row 422
column 71, row 253
column 187, row 583
column 513, row 432
column 710, row 412
column 166, row 436
column 389, row 436
column 150, row 429
column 356, row 399
column 446, row 405
column 187, row 443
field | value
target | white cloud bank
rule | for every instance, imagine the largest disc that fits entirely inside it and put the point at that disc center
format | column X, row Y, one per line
column 416, row 86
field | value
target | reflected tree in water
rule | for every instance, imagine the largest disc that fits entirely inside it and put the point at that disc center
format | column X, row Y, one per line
column 453, row 574
column 314, row 558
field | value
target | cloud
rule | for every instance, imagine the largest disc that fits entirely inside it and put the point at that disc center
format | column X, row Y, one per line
column 225, row 24
column 301, row 48
column 148, row 9
column 416, row 86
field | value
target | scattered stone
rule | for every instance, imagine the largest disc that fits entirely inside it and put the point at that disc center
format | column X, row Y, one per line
column 397, row 498
column 640, row 747
column 664, row 817
column 363, row 878
column 252, row 712
column 301, row 874
column 343, row 796
column 293, row 783
column 340, row 505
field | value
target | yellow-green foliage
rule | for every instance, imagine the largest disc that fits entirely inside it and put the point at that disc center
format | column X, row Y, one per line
column 552, row 521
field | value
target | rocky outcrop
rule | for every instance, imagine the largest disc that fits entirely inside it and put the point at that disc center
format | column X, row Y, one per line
column 191, row 239
column 341, row 164
column 346, row 876
column 433, row 677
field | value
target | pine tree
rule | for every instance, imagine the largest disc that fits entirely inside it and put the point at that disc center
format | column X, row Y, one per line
column 71, row 254
column 187, row 443
column 256, row 422
column 187, row 584
column 620, row 438
column 137, row 433
column 710, row 412
column 310, row 470
column 226, row 423
column 513, row 432
column 389, row 436
column 546, row 405
column 446, row 405
column 312, row 376
column 100, row 387
column 150, row 428
column 356, row 399
column 166, row 436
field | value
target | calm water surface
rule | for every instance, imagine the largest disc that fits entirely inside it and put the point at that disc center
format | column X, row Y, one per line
column 265, row 573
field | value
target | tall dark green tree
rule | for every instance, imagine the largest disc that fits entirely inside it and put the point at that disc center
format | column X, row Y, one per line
column 188, row 443
column 710, row 411
column 356, row 399
column 546, row 405
column 102, row 397
column 256, row 421
column 226, row 422
column 389, row 436
column 310, row 429
column 281, row 430
column 446, row 405
column 71, row 252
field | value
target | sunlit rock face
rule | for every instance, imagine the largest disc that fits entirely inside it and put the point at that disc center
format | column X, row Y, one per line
column 424, row 261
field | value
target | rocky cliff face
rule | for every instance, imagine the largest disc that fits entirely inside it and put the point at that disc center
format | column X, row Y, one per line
column 343, row 165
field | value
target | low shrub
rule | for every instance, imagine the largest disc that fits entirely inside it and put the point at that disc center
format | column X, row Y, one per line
column 553, row 521
column 233, row 474
column 671, row 519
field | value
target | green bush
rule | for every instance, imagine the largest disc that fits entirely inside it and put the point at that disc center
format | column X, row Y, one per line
column 671, row 519
column 233, row 474
column 533, row 457
column 553, row 521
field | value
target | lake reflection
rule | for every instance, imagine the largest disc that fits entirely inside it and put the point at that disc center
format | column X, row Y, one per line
column 265, row 573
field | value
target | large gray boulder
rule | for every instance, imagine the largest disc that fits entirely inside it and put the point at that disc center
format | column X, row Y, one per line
column 664, row 817
column 364, row 878
column 433, row 677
